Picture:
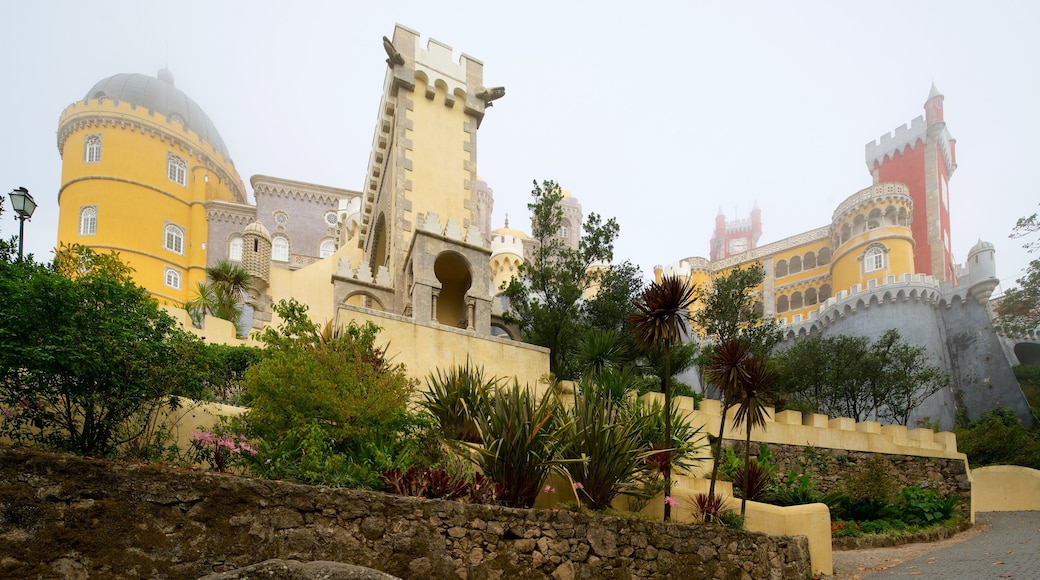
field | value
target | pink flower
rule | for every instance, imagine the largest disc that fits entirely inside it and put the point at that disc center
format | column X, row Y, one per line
column 577, row 485
column 11, row 413
column 670, row 501
column 549, row 489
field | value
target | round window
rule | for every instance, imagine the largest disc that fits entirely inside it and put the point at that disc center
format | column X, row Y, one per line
column 281, row 218
column 331, row 218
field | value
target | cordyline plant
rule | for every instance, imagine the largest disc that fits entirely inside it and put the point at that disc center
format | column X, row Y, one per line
column 455, row 396
column 661, row 322
column 520, row 434
column 729, row 368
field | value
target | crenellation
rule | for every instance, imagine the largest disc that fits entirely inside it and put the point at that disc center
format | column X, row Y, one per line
column 903, row 136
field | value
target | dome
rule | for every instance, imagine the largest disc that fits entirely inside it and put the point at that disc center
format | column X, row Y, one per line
column 159, row 96
column 259, row 229
column 981, row 246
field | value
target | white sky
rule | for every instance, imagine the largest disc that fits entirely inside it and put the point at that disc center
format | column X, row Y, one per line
column 655, row 113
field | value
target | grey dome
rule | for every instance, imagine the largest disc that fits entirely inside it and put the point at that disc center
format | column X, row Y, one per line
column 161, row 97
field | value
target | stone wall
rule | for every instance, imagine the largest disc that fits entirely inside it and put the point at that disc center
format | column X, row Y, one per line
column 70, row 517
column 831, row 467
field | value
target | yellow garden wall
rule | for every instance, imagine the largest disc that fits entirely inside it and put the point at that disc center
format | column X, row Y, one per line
column 1005, row 488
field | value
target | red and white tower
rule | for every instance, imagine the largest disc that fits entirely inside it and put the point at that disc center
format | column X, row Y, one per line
column 922, row 155
column 735, row 236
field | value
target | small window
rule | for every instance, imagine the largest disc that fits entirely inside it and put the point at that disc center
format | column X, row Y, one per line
column 173, row 239
column 873, row 259
column 88, row 221
column 280, row 249
column 177, row 170
column 281, row 218
column 173, row 278
column 92, row 149
column 331, row 219
column 328, row 247
column 235, row 249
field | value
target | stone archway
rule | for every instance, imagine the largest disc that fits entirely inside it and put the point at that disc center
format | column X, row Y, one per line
column 453, row 273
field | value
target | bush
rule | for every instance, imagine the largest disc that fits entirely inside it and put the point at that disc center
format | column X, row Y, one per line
column 924, row 507
column 455, row 396
column 999, row 438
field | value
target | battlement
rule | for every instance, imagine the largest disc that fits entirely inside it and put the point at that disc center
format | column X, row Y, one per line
column 431, row 222
column 436, row 62
column 821, row 431
column 683, row 268
column 738, row 225
column 874, row 193
column 897, row 140
column 506, row 244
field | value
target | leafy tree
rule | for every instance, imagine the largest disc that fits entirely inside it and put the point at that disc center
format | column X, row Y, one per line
column 224, row 369
column 547, row 297
column 849, row 376
column 661, row 322
column 1019, row 309
column 85, row 354
column 729, row 310
column 997, row 437
column 728, row 369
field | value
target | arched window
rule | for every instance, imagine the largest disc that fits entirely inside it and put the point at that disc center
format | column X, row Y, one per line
column 173, row 278
column 873, row 259
column 92, row 149
column 177, row 170
column 796, row 264
column 565, row 230
column 810, row 297
column 809, row 261
column 327, row 248
column 782, row 304
column 235, row 249
column 280, row 249
column 825, row 292
column 797, row 301
column 824, row 257
column 88, row 221
column 173, row 239
column 781, row 268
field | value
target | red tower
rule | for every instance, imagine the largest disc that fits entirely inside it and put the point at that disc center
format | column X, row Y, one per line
column 735, row 236
column 922, row 155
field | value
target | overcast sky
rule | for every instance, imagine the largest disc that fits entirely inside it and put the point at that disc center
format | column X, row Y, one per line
column 658, row 114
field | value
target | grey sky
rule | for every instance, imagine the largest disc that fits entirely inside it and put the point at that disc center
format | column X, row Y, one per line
column 655, row 113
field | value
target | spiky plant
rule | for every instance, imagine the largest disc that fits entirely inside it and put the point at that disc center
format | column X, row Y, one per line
column 456, row 396
column 663, row 313
column 751, row 394
column 728, row 368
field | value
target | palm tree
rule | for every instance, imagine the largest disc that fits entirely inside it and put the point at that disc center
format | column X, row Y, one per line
column 729, row 368
column 225, row 294
column 661, row 322
column 750, row 395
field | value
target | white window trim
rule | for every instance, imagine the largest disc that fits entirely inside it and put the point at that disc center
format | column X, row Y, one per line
column 322, row 252
column 92, row 230
column 92, row 148
column 178, row 234
column 231, row 248
column 874, row 259
column 172, row 278
column 176, row 170
column 275, row 255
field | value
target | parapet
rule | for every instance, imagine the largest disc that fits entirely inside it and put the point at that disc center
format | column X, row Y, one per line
column 898, row 140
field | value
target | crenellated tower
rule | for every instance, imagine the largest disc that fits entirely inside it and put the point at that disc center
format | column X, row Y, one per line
column 733, row 237
column 922, row 155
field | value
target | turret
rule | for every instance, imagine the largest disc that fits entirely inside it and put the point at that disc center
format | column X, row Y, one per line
column 933, row 107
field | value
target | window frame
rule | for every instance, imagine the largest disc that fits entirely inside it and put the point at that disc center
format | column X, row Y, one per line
column 275, row 249
column 322, row 252
column 873, row 259
column 174, row 238
column 177, row 170
column 174, row 275
column 232, row 245
column 92, row 148
column 92, row 209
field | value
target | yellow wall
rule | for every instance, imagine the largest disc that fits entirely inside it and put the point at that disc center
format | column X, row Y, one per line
column 848, row 265
column 132, row 194
column 1005, row 488
column 438, row 174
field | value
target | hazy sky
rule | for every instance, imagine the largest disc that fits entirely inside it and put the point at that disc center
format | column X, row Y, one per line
column 655, row 113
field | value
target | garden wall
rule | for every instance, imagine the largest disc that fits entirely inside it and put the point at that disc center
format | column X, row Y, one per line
column 64, row 516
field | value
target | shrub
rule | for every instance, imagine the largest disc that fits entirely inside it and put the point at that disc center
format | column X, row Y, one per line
column 710, row 507
column 455, row 396
column 999, row 438
column 439, row 484
column 924, row 507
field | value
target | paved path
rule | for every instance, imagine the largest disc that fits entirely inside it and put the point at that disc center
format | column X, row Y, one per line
column 1008, row 546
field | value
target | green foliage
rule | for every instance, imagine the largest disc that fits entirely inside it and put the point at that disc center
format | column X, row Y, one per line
column 546, row 296
column 924, row 507
column 224, row 369
column 521, row 436
column 795, row 489
column 328, row 408
column 846, row 376
column 224, row 295
column 454, row 397
column 728, row 311
column 87, row 358
column 438, row 483
column 687, row 440
column 1029, row 379
column 1019, row 309
column 999, row 438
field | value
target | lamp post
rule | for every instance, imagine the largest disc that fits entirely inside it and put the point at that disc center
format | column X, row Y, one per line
column 24, row 206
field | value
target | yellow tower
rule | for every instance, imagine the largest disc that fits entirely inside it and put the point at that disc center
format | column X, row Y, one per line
column 139, row 161
column 870, row 234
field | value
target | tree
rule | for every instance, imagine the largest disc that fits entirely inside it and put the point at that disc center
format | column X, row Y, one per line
column 223, row 296
column 661, row 322
column 852, row 376
column 729, row 310
column 1019, row 309
column 86, row 356
column 727, row 371
column 547, row 298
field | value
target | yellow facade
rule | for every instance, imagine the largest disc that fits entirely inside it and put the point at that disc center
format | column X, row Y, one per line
column 130, row 173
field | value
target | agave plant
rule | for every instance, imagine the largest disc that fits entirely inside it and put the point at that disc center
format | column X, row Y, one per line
column 661, row 322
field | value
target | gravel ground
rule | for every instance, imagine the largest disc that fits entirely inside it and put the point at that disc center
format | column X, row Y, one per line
column 856, row 564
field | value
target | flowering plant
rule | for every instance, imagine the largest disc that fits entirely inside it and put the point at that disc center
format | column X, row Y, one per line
column 218, row 449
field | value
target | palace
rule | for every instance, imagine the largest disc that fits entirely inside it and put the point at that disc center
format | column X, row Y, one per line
column 146, row 173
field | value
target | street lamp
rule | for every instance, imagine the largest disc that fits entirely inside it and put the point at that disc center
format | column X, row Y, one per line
column 24, row 206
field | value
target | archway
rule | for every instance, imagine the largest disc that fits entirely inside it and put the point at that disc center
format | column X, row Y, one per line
column 453, row 273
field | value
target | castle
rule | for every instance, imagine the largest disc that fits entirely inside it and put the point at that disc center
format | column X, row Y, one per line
column 146, row 173
column 884, row 262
